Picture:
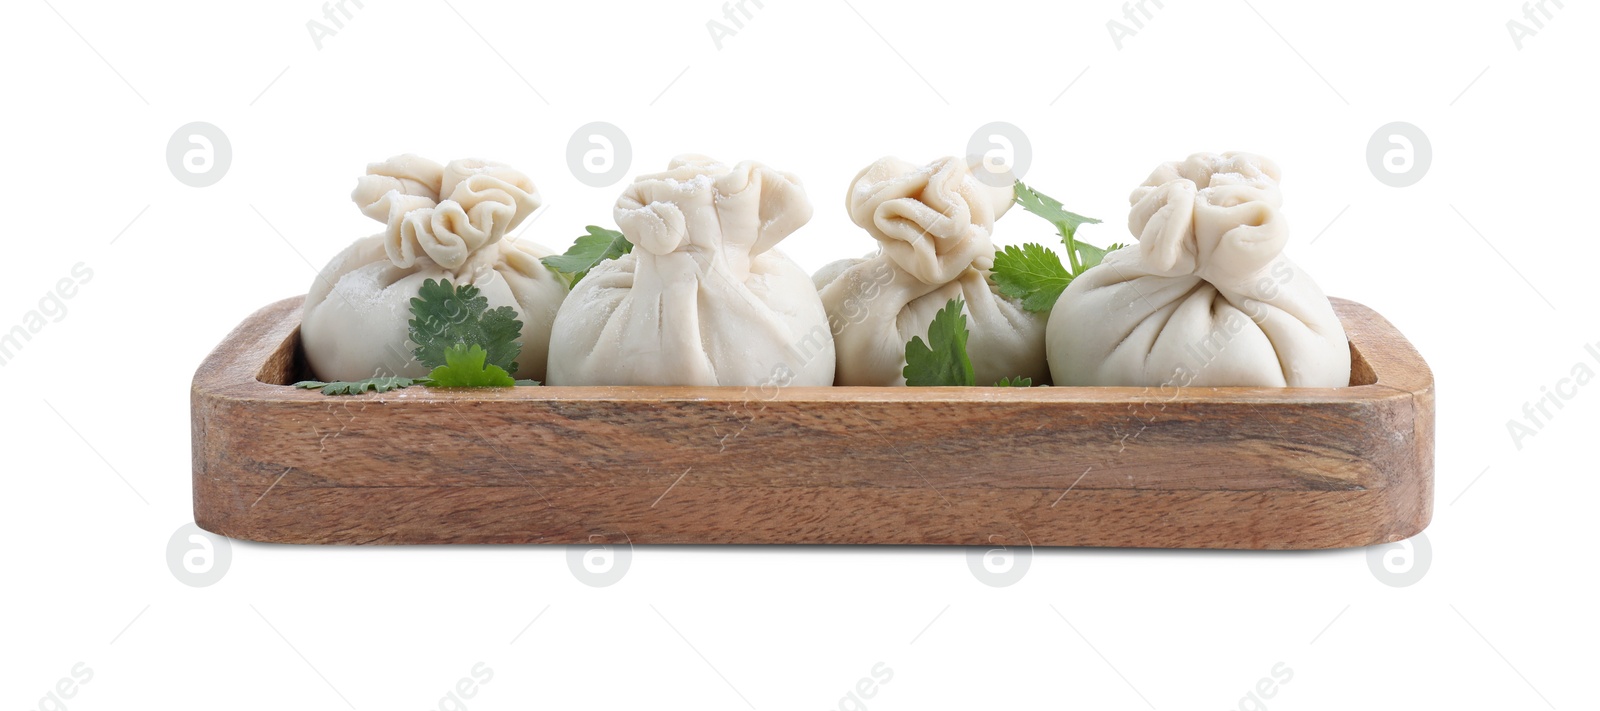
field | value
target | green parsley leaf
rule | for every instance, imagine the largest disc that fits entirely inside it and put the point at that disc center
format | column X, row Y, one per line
column 381, row 385
column 465, row 368
column 946, row 361
column 591, row 249
column 1032, row 275
column 1090, row 256
column 1051, row 209
column 1017, row 382
column 445, row 317
column 1082, row 256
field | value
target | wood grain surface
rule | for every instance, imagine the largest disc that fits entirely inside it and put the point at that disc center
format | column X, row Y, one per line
column 1259, row 468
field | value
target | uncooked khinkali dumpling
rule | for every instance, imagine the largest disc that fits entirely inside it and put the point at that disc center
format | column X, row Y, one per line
column 704, row 298
column 933, row 224
column 1206, row 298
column 356, row 317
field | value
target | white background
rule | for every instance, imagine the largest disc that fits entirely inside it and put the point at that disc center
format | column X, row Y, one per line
column 93, row 91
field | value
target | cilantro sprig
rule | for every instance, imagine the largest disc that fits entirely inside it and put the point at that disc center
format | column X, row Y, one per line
column 942, row 359
column 379, row 384
column 587, row 252
column 1051, row 209
column 444, row 317
column 1032, row 273
column 468, row 344
column 466, row 367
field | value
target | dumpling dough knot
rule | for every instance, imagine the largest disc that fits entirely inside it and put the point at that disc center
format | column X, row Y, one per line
column 482, row 201
column 702, row 207
column 1217, row 217
column 934, row 221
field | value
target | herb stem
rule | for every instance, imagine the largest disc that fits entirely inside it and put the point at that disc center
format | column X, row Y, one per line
column 1072, row 248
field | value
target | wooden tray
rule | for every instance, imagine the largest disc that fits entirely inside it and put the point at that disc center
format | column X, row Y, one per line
column 1265, row 468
